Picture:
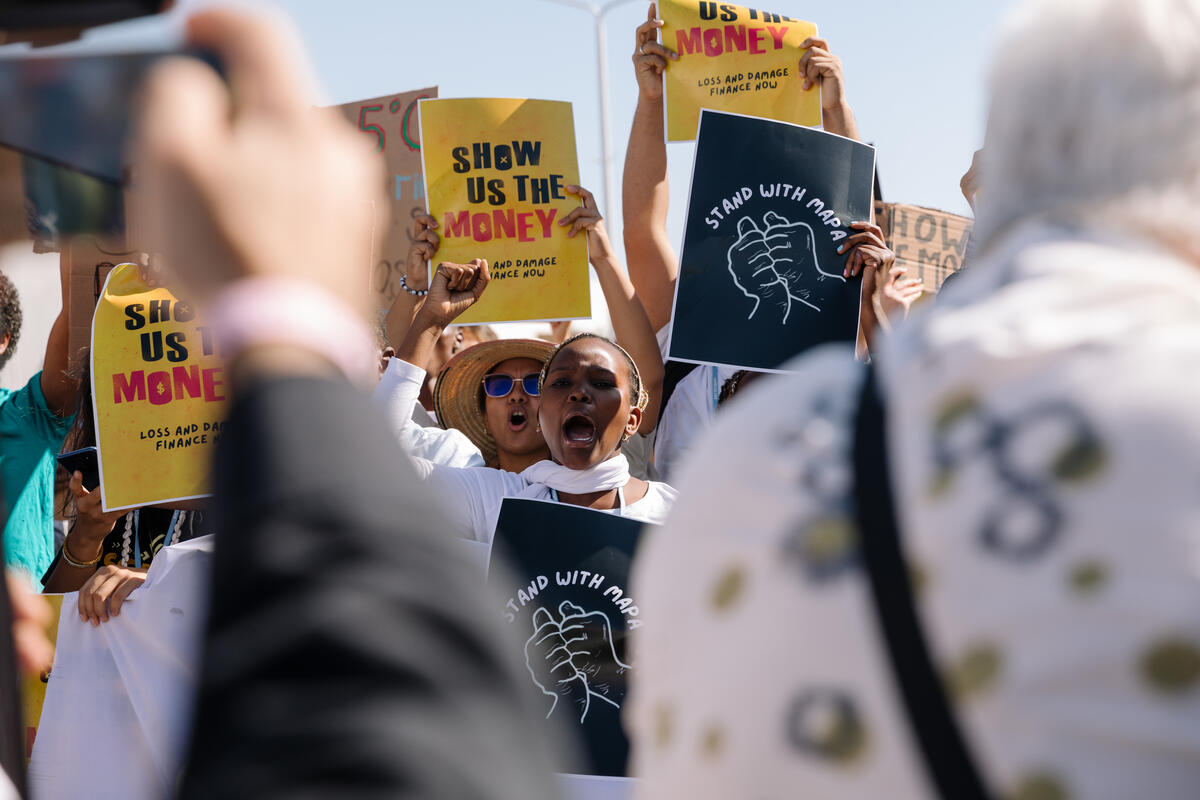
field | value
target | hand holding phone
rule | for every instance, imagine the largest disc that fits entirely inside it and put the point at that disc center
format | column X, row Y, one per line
column 84, row 460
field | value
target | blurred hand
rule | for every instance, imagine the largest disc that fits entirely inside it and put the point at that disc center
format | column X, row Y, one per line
column 587, row 218
column 31, row 616
column 106, row 590
column 650, row 58
column 424, row 247
column 823, row 69
column 969, row 184
column 898, row 293
column 246, row 180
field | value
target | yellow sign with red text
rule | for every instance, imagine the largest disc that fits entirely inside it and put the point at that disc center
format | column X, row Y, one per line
column 495, row 177
column 734, row 59
column 33, row 687
column 158, row 393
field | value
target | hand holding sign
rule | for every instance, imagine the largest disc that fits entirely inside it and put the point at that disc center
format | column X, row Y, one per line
column 650, row 58
column 422, row 250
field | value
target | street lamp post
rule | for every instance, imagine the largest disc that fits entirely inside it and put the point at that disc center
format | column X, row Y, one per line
column 598, row 13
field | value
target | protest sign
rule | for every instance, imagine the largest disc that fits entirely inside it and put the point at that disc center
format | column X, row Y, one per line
column 118, row 705
column 565, row 584
column 158, row 394
column 391, row 124
column 930, row 244
column 88, row 260
column 760, row 278
column 33, row 687
column 494, row 176
column 734, row 59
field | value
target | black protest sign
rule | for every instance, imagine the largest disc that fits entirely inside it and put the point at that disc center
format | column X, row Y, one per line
column 567, row 598
column 760, row 276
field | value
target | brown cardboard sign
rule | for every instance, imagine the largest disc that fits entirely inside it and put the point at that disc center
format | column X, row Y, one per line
column 88, row 261
column 12, row 198
column 392, row 123
column 930, row 243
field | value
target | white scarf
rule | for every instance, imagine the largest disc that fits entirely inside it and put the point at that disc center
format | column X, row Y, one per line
column 610, row 474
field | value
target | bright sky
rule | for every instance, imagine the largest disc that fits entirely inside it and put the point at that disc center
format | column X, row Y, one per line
column 915, row 72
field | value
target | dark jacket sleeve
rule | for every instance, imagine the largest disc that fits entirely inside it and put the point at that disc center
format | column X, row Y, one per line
column 349, row 651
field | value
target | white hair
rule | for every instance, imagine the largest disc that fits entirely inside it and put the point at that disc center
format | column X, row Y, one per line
column 1095, row 119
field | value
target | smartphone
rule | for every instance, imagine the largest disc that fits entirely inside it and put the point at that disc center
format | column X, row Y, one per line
column 85, row 461
column 71, row 117
column 75, row 112
column 22, row 15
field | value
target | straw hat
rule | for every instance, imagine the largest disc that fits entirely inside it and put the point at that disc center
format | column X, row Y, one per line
column 458, row 393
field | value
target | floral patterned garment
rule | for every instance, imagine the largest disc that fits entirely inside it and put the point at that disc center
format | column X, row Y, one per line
column 1044, row 435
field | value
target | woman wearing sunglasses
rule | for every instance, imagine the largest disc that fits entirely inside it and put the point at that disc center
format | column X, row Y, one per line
column 582, row 400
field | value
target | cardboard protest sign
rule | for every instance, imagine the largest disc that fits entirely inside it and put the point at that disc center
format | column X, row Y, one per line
column 931, row 244
column 734, row 59
column 88, row 260
column 494, row 176
column 33, row 687
column 158, row 394
column 566, row 583
column 760, row 278
column 391, row 123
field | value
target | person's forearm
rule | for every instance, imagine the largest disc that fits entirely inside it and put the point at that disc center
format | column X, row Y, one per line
column 400, row 316
column 645, row 197
column 420, row 339
column 83, row 548
column 397, row 392
column 633, row 331
column 839, row 119
column 58, row 387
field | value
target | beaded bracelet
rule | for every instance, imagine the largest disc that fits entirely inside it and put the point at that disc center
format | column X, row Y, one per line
column 66, row 554
column 413, row 292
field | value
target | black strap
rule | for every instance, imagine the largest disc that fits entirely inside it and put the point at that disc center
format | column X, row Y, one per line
column 947, row 757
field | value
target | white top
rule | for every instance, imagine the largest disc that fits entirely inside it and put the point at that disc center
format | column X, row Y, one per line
column 690, row 411
column 1044, row 437
column 472, row 495
column 396, row 394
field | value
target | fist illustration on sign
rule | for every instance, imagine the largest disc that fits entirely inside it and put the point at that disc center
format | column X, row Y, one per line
column 574, row 655
column 777, row 264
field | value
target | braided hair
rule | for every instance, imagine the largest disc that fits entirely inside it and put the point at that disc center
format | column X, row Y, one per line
column 636, row 392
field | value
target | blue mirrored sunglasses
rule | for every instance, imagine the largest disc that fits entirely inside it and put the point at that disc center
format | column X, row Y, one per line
column 500, row 385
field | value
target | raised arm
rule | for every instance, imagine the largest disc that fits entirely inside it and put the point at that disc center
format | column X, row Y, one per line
column 58, row 387
column 823, row 69
column 416, row 278
column 631, row 326
column 455, row 288
column 645, row 194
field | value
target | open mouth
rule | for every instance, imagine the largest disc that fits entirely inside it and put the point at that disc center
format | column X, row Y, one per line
column 517, row 420
column 579, row 430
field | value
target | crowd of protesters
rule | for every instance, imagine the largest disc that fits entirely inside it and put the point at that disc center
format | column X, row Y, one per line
column 960, row 558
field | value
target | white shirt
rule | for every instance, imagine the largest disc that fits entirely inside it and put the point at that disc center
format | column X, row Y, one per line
column 1043, row 435
column 396, row 394
column 472, row 495
column 690, row 411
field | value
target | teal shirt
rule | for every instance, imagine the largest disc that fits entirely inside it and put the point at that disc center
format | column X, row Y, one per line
column 30, row 436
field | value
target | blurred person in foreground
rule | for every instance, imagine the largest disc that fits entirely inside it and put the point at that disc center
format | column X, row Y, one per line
column 349, row 653
column 1041, row 432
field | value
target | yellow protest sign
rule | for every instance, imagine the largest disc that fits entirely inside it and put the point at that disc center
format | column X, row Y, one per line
column 33, row 687
column 733, row 59
column 158, row 394
column 495, row 172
